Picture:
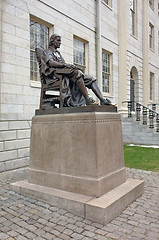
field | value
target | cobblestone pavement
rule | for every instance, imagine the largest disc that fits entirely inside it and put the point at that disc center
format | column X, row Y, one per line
column 23, row 218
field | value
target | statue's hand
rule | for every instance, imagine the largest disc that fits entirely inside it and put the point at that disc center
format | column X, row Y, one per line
column 69, row 65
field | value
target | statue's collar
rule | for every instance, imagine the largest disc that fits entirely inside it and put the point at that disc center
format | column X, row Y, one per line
column 54, row 50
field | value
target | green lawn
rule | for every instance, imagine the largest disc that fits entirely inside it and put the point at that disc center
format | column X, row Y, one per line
column 142, row 158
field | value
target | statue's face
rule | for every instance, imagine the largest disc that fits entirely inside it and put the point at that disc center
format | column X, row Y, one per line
column 57, row 42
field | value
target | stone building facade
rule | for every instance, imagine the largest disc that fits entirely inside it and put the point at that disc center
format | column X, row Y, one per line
column 116, row 41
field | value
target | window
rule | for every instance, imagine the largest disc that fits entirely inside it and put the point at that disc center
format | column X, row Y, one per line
column 151, row 36
column 151, row 4
column 108, row 2
column 106, row 71
column 151, row 85
column 79, row 54
column 39, row 37
column 133, row 17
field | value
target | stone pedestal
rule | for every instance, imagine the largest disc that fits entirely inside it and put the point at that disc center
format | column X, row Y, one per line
column 77, row 152
column 78, row 157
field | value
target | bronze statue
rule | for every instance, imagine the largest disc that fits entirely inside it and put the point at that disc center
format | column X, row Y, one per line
column 74, row 82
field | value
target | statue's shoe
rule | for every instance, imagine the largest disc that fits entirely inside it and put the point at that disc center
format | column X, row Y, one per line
column 105, row 101
column 91, row 101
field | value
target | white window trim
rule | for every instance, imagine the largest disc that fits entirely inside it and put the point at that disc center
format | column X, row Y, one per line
column 152, row 75
column 109, row 4
column 153, row 35
column 135, row 20
column 108, row 94
column 86, row 51
column 151, row 5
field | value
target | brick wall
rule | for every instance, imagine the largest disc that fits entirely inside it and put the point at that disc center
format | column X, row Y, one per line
column 14, row 144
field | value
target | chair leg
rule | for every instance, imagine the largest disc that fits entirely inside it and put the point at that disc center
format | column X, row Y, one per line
column 61, row 99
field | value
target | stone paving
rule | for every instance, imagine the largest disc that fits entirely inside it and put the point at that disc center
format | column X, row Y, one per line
column 23, row 218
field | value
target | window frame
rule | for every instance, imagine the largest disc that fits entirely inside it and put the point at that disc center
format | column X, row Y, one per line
column 85, row 42
column 133, row 19
column 37, row 82
column 151, row 4
column 107, row 3
column 151, row 86
column 109, row 92
column 151, row 36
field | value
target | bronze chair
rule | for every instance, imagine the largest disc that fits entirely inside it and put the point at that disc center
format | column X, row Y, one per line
column 49, row 100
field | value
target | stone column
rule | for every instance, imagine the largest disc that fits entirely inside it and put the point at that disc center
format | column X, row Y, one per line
column 98, row 42
column 145, row 53
column 122, row 55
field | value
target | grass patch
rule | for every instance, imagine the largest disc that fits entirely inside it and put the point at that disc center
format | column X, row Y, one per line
column 142, row 158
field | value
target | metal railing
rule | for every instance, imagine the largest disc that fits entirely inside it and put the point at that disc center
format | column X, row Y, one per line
column 153, row 106
column 143, row 114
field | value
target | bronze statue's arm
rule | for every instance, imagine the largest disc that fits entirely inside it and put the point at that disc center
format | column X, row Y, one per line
column 56, row 64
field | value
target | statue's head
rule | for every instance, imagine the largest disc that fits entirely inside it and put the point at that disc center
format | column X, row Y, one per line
column 55, row 38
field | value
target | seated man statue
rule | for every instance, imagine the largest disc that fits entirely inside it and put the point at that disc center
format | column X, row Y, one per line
column 54, row 65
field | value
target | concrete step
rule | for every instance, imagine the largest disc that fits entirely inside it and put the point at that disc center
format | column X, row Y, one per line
column 137, row 133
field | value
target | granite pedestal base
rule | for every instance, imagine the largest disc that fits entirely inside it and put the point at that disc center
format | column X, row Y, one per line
column 77, row 163
column 101, row 210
